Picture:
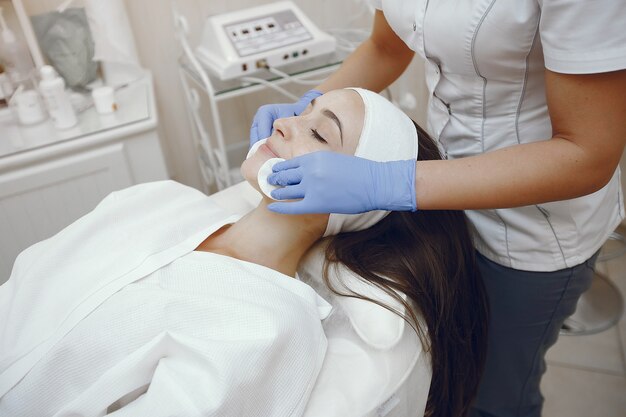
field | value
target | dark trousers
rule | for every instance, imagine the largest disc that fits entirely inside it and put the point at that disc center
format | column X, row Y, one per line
column 527, row 311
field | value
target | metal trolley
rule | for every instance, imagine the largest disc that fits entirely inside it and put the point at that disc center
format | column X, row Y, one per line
column 212, row 149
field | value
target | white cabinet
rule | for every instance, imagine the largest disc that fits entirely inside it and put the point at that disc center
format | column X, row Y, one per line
column 50, row 178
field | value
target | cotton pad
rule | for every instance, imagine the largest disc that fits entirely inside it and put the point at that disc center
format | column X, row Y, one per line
column 255, row 147
column 264, row 172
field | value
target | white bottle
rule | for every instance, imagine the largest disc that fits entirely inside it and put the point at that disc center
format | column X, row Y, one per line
column 52, row 89
column 15, row 55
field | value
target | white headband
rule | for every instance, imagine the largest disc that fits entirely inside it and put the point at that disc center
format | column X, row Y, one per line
column 388, row 134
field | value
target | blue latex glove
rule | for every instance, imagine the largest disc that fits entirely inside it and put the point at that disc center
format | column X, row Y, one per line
column 329, row 182
column 265, row 115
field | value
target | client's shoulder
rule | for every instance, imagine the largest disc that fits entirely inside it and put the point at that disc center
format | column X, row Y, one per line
column 157, row 189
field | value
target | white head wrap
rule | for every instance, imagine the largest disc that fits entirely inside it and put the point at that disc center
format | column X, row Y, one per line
column 388, row 134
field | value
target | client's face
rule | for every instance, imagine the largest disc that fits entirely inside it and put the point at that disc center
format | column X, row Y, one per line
column 332, row 122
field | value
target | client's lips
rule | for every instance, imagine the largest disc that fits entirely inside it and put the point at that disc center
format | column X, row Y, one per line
column 268, row 150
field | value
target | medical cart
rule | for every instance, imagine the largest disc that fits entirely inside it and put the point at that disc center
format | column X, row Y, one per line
column 217, row 158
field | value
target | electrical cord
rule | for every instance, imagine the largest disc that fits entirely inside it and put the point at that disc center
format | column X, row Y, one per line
column 271, row 85
column 291, row 78
column 343, row 44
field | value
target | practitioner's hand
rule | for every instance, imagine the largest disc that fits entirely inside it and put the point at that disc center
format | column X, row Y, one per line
column 329, row 182
column 265, row 115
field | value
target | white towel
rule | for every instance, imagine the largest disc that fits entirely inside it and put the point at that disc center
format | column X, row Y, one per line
column 388, row 134
column 116, row 310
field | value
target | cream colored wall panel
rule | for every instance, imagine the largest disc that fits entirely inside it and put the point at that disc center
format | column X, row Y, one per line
column 158, row 50
column 39, row 200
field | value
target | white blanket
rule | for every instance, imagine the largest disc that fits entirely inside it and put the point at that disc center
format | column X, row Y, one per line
column 116, row 314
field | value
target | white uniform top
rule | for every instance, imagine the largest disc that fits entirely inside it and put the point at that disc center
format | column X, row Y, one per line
column 485, row 62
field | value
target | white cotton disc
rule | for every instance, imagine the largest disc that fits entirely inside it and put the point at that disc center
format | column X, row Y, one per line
column 254, row 147
column 264, row 172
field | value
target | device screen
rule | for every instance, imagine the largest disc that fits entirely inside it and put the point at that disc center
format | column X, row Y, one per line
column 264, row 33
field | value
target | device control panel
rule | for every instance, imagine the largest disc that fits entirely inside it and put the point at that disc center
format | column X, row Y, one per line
column 267, row 36
column 266, row 33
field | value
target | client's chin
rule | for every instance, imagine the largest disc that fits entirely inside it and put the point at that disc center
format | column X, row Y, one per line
column 250, row 169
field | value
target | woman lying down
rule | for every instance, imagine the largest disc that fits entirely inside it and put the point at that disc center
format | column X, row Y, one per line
column 159, row 304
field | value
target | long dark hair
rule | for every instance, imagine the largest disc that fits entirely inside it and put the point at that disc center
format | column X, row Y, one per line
column 427, row 255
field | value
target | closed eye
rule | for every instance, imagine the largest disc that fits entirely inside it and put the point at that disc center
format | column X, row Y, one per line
column 317, row 136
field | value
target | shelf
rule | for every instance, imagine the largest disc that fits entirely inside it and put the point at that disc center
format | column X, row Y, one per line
column 301, row 70
column 135, row 105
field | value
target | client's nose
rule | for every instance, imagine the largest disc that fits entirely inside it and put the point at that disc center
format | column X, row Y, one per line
column 286, row 127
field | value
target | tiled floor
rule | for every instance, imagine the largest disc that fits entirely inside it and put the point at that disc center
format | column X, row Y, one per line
column 586, row 375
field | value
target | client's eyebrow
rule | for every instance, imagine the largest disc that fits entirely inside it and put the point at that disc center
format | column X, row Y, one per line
column 332, row 116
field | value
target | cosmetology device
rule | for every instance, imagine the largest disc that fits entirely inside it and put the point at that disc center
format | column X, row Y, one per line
column 242, row 42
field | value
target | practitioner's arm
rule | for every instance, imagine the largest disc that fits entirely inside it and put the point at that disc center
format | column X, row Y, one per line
column 588, row 137
column 589, row 134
